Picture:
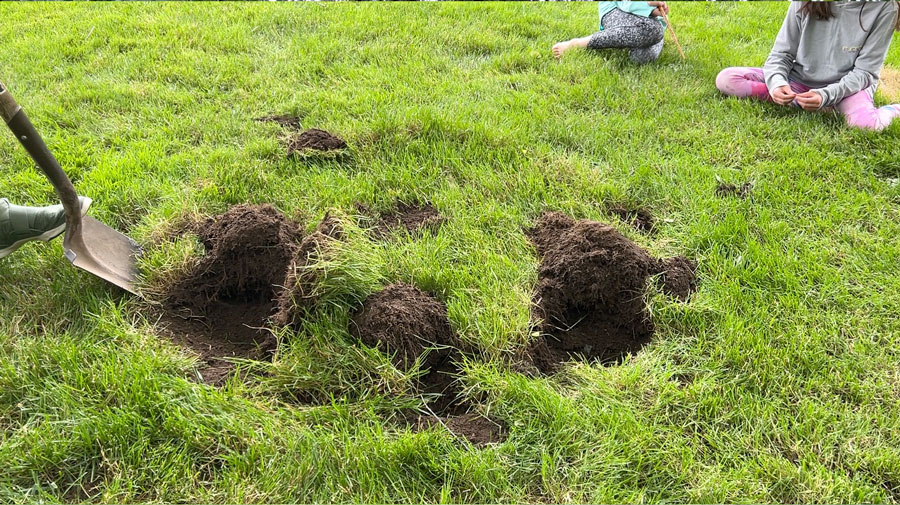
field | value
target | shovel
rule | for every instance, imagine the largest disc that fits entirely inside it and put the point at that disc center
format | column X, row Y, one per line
column 89, row 244
column 674, row 37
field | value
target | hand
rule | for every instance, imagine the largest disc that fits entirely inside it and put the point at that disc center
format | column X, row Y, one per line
column 783, row 95
column 661, row 8
column 810, row 100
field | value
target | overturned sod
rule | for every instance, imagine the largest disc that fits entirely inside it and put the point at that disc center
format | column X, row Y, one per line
column 314, row 139
column 297, row 295
column 220, row 308
column 589, row 301
column 412, row 327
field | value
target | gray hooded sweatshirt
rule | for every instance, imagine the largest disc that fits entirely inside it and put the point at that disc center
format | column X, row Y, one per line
column 836, row 57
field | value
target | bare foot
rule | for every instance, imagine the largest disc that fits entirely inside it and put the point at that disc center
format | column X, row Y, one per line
column 561, row 47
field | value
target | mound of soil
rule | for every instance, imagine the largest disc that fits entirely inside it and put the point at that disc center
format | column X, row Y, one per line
column 219, row 309
column 412, row 218
column 639, row 219
column 285, row 120
column 316, row 140
column 402, row 320
column 298, row 294
column 742, row 191
column 679, row 276
column 550, row 226
column 405, row 322
column 590, row 293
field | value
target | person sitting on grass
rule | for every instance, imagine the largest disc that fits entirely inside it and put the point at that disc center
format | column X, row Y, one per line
column 635, row 26
column 19, row 225
column 827, row 54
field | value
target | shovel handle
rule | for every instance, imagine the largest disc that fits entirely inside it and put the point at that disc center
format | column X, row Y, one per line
column 22, row 128
column 674, row 37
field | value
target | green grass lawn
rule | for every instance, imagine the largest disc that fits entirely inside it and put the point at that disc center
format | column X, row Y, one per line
column 778, row 381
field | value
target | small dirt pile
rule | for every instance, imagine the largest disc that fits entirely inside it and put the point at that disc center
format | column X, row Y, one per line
column 314, row 140
column 589, row 298
column 742, row 191
column 679, row 277
column 219, row 309
column 412, row 218
column 408, row 323
column 404, row 321
column 639, row 219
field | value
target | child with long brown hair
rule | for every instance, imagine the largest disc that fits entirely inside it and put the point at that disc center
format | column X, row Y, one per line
column 827, row 54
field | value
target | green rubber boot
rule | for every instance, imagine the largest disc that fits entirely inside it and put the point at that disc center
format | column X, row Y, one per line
column 19, row 225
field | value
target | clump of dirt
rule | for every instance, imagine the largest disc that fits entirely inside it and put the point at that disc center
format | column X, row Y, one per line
column 409, row 324
column 218, row 310
column 412, row 218
column 298, row 294
column 286, row 120
column 639, row 219
column 742, row 191
column 315, row 140
column 312, row 139
column 590, row 293
column 679, row 276
column 404, row 321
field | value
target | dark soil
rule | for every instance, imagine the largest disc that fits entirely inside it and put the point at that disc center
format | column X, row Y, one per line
column 549, row 226
column 316, row 140
column 639, row 219
column 477, row 429
column 441, row 386
column 286, row 120
column 590, row 293
column 405, row 322
column 412, row 218
column 402, row 320
column 219, row 309
column 679, row 276
column 742, row 191
column 298, row 295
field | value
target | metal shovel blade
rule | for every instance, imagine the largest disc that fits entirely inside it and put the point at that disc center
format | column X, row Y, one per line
column 104, row 252
column 89, row 244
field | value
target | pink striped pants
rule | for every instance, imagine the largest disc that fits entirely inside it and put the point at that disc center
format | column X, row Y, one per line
column 859, row 108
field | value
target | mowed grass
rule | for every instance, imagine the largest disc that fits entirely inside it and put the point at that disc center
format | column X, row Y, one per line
column 778, row 381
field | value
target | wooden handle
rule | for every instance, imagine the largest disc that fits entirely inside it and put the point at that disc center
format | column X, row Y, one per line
column 674, row 37
column 21, row 126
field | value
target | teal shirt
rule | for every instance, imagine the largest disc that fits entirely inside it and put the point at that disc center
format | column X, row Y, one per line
column 637, row 8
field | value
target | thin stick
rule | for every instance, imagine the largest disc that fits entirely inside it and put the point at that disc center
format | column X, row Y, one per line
column 674, row 37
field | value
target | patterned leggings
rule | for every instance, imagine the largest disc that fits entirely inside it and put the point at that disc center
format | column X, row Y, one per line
column 643, row 36
column 859, row 108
